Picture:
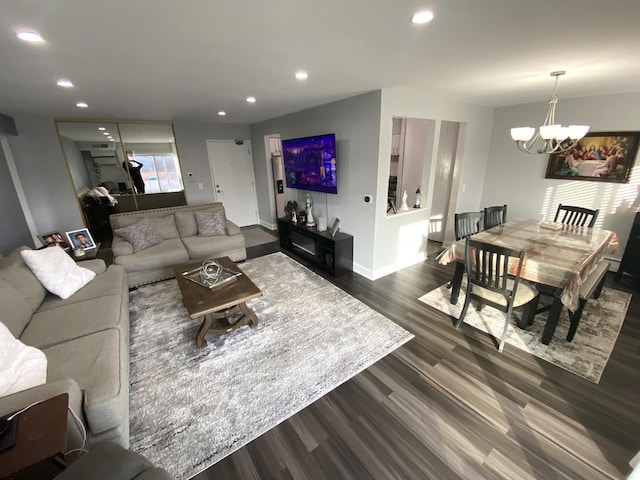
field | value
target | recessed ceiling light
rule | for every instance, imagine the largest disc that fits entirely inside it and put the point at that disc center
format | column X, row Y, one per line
column 422, row 17
column 29, row 36
column 222, row 113
column 102, row 129
column 81, row 105
column 63, row 82
column 251, row 99
column 106, row 133
column 302, row 75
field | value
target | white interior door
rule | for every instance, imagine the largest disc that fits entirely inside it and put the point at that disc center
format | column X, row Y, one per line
column 233, row 179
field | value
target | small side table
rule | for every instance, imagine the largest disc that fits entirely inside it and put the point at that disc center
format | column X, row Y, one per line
column 88, row 254
column 40, row 435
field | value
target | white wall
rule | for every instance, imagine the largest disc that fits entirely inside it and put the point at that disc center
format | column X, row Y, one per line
column 15, row 229
column 401, row 239
column 355, row 121
column 44, row 175
column 191, row 141
column 517, row 179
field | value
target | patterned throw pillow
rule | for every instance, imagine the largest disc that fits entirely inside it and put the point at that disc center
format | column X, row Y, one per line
column 210, row 224
column 140, row 235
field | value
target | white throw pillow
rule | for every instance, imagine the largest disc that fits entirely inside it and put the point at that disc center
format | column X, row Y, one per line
column 57, row 271
column 21, row 366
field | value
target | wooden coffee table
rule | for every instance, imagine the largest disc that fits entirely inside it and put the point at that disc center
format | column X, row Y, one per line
column 224, row 307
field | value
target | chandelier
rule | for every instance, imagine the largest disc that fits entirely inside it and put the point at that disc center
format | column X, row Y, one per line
column 555, row 138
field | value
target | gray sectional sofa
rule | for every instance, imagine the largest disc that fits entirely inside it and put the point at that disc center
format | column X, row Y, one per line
column 85, row 339
column 182, row 242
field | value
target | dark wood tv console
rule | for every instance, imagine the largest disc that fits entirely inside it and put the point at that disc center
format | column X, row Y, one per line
column 333, row 254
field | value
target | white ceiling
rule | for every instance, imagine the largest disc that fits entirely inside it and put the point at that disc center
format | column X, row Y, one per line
column 171, row 60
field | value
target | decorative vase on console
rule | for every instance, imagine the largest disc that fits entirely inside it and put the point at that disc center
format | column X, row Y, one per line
column 310, row 220
column 404, row 205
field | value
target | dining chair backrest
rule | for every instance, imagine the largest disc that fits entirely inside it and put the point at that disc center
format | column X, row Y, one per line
column 490, row 267
column 492, row 281
column 467, row 224
column 580, row 216
column 494, row 216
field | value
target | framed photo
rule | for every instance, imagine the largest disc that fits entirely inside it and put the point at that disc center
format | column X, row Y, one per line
column 334, row 227
column 54, row 238
column 597, row 157
column 81, row 238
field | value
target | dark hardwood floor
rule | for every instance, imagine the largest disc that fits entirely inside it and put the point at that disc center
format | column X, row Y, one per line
column 447, row 405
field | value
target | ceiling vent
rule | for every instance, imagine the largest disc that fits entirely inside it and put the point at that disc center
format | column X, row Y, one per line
column 102, row 161
column 102, row 147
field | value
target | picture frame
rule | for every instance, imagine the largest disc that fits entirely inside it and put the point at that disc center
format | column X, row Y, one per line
column 81, row 238
column 51, row 239
column 597, row 157
column 334, row 227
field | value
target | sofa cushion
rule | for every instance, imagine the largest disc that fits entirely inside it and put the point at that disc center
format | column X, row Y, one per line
column 165, row 226
column 166, row 254
column 94, row 362
column 141, row 235
column 21, row 366
column 16, row 273
column 16, row 312
column 113, row 281
column 58, row 325
column 186, row 220
column 211, row 223
column 205, row 247
column 57, row 271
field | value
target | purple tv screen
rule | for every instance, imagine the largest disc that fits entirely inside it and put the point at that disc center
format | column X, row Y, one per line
column 310, row 163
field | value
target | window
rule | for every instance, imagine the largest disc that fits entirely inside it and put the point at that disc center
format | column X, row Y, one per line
column 160, row 173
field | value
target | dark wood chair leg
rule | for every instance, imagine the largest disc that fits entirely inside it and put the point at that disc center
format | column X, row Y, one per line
column 529, row 311
column 552, row 320
column 598, row 291
column 575, row 317
column 456, row 282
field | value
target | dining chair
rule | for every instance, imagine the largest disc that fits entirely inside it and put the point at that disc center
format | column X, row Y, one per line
column 467, row 224
column 494, row 216
column 490, row 281
column 580, row 216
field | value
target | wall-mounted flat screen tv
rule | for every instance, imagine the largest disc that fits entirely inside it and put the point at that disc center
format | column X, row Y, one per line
column 310, row 163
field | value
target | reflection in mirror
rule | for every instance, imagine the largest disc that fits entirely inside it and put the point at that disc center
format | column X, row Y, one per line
column 152, row 160
column 103, row 159
column 409, row 155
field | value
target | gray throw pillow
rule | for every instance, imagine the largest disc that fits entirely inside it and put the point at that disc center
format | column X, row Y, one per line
column 210, row 224
column 140, row 235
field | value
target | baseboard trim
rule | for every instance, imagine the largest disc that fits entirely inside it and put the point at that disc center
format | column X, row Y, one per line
column 270, row 226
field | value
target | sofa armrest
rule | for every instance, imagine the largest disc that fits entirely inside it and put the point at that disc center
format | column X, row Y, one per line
column 95, row 265
column 109, row 461
column 232, row 228
column 18, row 401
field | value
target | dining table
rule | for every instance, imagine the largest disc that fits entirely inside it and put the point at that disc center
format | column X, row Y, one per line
column 558, row 259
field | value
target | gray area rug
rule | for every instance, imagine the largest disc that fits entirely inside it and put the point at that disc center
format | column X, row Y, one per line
column 586, row 355
column 257, row 236
column 191, row 407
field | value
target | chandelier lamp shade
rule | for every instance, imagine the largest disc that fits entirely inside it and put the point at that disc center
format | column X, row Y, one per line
column 555, row 138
